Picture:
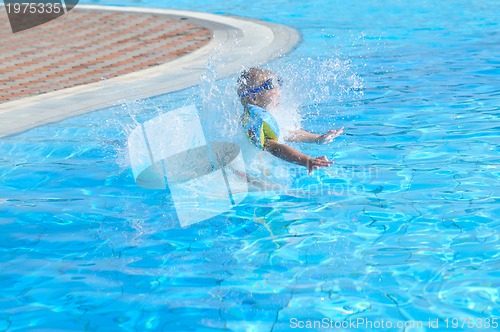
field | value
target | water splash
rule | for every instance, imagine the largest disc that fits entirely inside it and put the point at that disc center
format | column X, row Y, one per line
column 313, row 87
column 316, row 83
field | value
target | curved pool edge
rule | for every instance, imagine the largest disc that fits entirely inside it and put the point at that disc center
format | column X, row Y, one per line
column 239, row 42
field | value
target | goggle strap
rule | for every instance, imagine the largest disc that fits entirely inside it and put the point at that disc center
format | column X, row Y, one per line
column 268, row 85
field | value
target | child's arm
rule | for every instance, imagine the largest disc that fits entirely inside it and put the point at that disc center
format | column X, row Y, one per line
column 304, row 136
column 289, row 154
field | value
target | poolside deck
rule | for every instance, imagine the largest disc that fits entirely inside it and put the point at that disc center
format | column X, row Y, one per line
column 98, row 56
column 85, row 46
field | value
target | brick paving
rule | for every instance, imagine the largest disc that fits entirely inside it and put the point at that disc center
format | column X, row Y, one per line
column 85, row 46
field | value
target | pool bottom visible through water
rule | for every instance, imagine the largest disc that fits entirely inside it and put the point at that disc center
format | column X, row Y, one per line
column 401, row 230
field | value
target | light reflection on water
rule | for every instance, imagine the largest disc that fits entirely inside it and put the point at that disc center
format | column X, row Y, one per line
column 403, row 227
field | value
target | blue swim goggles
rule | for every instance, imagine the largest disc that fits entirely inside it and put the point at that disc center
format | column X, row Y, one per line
column 270, row 84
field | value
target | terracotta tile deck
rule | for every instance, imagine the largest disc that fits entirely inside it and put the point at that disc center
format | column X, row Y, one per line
column 87, row 46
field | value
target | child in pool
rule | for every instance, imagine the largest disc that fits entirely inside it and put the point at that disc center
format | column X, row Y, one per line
column 259, row 92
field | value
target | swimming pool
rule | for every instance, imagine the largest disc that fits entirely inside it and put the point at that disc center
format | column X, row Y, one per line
column 406, row 230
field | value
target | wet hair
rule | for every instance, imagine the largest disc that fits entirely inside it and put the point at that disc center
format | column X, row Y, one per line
column 252, row 78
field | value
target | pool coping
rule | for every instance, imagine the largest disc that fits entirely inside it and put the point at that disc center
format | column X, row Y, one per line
column 243, row 42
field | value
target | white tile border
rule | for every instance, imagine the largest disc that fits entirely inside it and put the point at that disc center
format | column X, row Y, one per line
column 243, row 42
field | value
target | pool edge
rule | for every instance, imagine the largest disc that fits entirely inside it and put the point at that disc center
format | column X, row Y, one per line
column 243, row 42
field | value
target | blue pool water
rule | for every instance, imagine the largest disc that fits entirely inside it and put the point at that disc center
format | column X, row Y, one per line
column 404, row 228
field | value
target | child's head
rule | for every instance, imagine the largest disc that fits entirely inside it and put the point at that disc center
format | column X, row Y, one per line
column 259, row 87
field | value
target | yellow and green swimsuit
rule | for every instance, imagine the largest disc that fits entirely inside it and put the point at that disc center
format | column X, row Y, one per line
column 259, row 125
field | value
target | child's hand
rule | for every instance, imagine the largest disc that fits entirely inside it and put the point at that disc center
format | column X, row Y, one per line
column 330, row 135
column 315, row 163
